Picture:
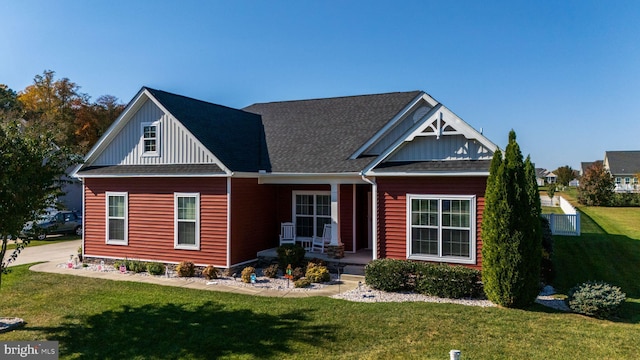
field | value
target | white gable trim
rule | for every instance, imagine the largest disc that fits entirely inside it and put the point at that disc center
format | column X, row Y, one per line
column 127, row 114
column 435, row 115
column 423, row 96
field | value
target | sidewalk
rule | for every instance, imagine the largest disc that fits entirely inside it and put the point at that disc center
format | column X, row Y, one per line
column 56, row 254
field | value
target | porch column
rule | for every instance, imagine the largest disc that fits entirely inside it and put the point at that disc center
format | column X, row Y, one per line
column 335, row 234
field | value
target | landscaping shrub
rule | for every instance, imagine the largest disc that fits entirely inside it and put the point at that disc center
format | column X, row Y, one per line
column 210, row 272
column 118, row 263
column 297, row 273
column 317, row 273
column 271, row 271
column 186, row 269
column 246, row 274
column 595, row 298
column 137, row 266
column 447, row 281
column 318, row 261
column 625, row 199
column 302, row 283
column 155, row 268
column 390, row 275
column 290, row 255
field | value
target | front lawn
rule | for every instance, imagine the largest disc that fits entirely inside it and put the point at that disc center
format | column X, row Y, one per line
column 101, row 319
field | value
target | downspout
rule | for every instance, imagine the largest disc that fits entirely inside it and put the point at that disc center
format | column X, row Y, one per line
column 374, row 214
column 229, row 221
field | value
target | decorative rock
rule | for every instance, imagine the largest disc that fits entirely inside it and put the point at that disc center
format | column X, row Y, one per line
column 8, row 324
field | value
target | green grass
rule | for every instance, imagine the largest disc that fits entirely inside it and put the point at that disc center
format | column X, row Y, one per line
column 608, row 250
column 101, row 319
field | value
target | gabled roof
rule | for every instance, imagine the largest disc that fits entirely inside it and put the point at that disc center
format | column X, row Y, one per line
column 623, row 162
column 587, row 164
column 236, row 137
column 319, row 135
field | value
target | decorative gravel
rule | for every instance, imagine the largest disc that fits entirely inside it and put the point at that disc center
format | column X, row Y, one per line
column 362, row 293
column 281, row 284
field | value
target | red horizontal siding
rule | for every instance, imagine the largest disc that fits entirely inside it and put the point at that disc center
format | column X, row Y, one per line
column 151, row 219
column 254, row 225
column 392, row 212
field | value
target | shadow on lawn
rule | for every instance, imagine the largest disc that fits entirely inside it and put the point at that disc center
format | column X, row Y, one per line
column 171, row 331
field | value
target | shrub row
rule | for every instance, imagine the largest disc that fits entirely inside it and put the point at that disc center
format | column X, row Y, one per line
column 428, row 279
column 138, row 266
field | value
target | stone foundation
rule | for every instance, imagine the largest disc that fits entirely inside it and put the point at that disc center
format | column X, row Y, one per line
column 335, row 252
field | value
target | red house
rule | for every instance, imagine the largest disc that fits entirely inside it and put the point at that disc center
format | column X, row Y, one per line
column 176, row 179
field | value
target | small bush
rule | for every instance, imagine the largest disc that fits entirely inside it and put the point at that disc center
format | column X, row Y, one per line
column 290, row 255
column 448, row 281
column 246, row 274
column 271, row 271
column 595, row 298
column 210, row 272
column 317, row 273
column 390, row 275
column 297, row 273
column 186, row 269
column 155, row 268
column 118, row 263
column 137, row 266
column 302, row 283
column 317, row 261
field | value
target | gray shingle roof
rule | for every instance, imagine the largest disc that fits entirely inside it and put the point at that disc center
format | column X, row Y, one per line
column 623, row 162
column 234, row 136
column 319, row 136
column 152, row 170
column 435, row 166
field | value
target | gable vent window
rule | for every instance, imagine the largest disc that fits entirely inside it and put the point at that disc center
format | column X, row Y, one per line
column 150, row 139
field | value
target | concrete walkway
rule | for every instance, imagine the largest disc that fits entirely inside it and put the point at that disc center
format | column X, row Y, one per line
column 56, row 254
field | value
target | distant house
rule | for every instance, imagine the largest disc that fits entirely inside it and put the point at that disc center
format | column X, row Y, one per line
column 587, row 164
column 624, row 166
column 396, row 175
column 544, row 176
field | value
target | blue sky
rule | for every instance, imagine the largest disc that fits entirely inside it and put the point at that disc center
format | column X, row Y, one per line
column 565, row 75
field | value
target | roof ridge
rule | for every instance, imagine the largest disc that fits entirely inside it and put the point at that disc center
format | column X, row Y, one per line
column 152, row 90
column 337, row 97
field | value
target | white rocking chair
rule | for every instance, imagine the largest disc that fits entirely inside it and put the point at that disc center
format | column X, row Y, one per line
column 287, row 234
column 320, row 242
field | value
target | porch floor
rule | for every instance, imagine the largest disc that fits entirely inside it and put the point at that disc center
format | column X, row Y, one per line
column 360, row 257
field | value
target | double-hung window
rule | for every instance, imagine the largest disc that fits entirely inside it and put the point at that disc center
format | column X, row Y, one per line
column 151, row 139
column 311, row 211
column 441, row 228
column 117, row 206
column 187, row 221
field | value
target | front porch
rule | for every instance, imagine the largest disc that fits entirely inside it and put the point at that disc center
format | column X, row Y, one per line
column 351, row 263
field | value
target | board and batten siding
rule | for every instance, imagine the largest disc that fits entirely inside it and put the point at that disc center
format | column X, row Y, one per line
column 346, row 215
column 176, row 144
column 392, row 208
column 151, row 219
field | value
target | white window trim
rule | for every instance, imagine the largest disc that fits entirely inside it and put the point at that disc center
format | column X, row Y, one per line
column 472, row 223
column 293, row 206
column 126, row 218
column 158, row 134
column 175, row 222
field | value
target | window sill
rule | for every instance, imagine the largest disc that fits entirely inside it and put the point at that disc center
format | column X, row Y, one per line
column 187, row 247
column 449, row 260
column 117, row 242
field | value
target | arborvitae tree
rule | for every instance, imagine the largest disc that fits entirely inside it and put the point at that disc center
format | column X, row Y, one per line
column 511, row 230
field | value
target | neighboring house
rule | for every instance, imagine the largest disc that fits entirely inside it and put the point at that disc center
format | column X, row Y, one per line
column 585, row 165
column 176, row 179
column 624, row 166
column 544, row 176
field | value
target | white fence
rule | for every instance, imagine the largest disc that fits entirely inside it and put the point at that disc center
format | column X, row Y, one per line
column 563, row 224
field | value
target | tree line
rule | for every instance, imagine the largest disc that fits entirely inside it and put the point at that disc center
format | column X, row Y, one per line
column 58, row 107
